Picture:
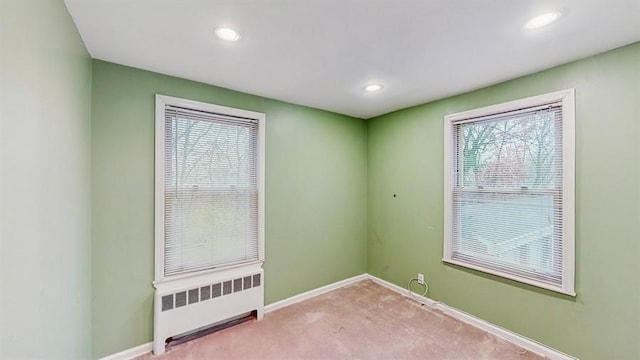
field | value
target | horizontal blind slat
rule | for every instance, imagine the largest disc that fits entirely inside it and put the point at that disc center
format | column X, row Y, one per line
column 211, row 190
column 206, row 115
column 507, row 195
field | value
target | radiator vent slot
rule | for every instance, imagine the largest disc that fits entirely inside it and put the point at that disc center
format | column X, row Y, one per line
column 208, row 292
column 217, row 290
column 205, row 293
column 226, row 287
column 194, row 296
column 181, row 299
column 167, row 302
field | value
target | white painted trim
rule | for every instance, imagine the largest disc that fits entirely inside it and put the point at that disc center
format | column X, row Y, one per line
column 510, row 336
column 261, row 173
column 531, row 101
column 159, row 188
column 147, row 348
column 569, row 187
column 507, row 335
column 211, row 277
column 567, row 99
column 161, row 102
column 312, row 293
column 449, row 180
column 402, row 291
column 507, row 275
column 130, row 353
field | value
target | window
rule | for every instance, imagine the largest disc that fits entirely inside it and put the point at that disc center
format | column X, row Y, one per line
column 509, row 190
column 209, row 187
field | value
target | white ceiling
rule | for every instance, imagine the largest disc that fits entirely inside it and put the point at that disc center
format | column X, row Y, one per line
column 321, row 53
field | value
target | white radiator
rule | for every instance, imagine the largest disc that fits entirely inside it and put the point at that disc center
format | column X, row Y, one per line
column 206, row 300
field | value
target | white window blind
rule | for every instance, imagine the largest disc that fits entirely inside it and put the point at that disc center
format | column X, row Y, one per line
column 508, row 214
column 211, row 190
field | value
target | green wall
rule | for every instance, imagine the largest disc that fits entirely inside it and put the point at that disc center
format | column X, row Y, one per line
column 315, row 197
column 405, row 157
column 76, row 198
column 45, row 247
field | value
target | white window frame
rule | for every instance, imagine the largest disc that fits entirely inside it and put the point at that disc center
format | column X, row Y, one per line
column 161, row 102
column 567, row 98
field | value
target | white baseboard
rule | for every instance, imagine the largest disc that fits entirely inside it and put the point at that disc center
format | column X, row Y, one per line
column 131, row 353
column 146, row 348
column 312, row 293
column 510, row 336
column 402, row 291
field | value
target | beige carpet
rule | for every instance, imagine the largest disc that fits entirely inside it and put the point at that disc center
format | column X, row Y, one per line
column 360, row 321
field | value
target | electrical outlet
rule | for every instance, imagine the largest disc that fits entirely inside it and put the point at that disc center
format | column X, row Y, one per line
column 420, row 278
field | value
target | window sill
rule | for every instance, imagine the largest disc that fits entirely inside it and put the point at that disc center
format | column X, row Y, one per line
column 523, row 280
column 211, row 275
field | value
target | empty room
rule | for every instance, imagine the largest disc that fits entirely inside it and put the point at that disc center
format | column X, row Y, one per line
column 319, row 179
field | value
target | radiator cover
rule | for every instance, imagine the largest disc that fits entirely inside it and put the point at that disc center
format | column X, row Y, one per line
column 185, row 305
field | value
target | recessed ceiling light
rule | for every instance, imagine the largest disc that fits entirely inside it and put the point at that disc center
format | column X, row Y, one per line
column 542, row 20
column 227, row 34
column 373, row 87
